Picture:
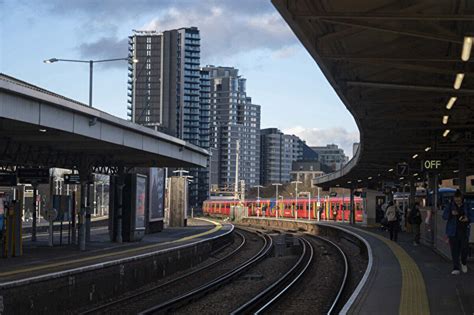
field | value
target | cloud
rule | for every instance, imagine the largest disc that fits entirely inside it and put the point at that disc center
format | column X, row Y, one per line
column 321, row 137
column 228, row 27
column 105, row 48
column 225, row 34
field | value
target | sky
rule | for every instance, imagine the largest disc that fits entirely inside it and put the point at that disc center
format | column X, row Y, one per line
column 247, row 34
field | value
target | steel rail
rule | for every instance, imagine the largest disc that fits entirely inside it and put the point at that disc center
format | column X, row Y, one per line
column 214, row 284
column 114, row 303
column 274, row 292
column 346, row 272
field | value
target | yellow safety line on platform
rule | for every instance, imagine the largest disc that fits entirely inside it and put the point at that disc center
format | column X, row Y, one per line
column 413, row 296
column 216, row 228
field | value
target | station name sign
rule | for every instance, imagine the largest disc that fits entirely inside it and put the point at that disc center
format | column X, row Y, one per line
column 33, row 175
column 72, row 179
column 431, row 165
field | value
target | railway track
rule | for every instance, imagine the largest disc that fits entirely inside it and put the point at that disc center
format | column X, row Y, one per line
column 264, row 301
column 215, row 283
column 141, row 299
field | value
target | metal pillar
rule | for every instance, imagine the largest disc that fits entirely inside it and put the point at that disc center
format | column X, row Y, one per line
column 120, row 184
column 88, row 213
column 33, row 227
column 82, row 215
column 411, row 202
column 91, row 67
column 352, row 207
column 462, row 173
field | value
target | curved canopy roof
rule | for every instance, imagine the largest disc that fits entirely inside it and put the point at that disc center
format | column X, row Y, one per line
column 394, row 65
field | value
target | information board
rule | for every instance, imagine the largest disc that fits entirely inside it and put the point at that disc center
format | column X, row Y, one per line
column 140, row 202
column 157, row 192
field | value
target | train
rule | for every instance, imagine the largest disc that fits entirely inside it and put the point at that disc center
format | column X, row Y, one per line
column 330, row 208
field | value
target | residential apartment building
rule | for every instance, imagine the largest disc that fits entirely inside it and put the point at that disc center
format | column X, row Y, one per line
column 332, row 156
column 234, row 130
column 277, row 153
column 168, row 91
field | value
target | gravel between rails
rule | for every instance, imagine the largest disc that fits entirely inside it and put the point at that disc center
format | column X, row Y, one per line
column 315, row 292
column 357, row 267
column 251, row 247
column 242, row 289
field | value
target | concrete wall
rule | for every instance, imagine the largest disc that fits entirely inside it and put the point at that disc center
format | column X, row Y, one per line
column 178, row 201
column 67, row 291
column 370, row 206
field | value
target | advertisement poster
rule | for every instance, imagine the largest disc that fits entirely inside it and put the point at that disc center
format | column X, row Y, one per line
column 140, row 202
column 157, row 191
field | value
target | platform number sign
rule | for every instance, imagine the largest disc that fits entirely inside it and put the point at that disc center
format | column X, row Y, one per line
column 403, row 169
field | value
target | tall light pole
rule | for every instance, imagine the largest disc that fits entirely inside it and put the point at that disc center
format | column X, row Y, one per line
column 91, row 68
column 258, row 191
column 308, row 193
column 276, row 197
column 296, row 195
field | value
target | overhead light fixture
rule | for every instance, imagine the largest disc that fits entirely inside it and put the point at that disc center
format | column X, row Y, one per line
column 369, row 178
column 456, row 171
column 446, row 132
column 51, row 60
column 416, row 174
column 402, row 178
column 390, row 170
column 415, row 156
column 466, row 48
column 458, row 81
column 378, row 175
column 337, row 185
column 349, row 182
column 445, row 119
column 359, row 180
column 418, row 178
column 451, row 102
column 42, row 130
column 427, row 149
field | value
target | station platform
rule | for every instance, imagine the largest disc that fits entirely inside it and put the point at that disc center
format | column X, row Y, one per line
column 39, row 259
column 409, row 279
column 402, row 278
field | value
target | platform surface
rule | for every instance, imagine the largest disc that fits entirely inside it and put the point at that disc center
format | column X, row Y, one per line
column 409, row 279
column 40, row 259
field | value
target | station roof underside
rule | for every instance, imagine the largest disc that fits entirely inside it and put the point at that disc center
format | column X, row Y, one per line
column 41, row 128
column 393, row 64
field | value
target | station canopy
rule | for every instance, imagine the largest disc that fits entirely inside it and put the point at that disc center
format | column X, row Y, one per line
column 39, row 128
column 398, row 67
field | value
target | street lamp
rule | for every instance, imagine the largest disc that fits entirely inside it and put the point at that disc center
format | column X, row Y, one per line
column 91, row 66
column 276, row 197
column 258, row 191
column 296, row 194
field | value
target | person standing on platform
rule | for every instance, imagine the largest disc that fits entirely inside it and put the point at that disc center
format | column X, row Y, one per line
column 392, row 214
column 415, row 220
column 459, row 216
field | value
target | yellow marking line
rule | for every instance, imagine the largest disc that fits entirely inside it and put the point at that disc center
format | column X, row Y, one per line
column 413, row 296
column 216, row 228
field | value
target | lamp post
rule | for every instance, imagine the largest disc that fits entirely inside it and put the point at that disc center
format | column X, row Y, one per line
column 276, row 197
column 296, row 182
column 91, row 68
column 258, row 191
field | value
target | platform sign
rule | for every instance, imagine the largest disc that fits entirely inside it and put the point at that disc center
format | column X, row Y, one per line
column 72, row 179
column 403, row 169
column 156, row 194
column 140, row 201
column 7, row 180
column 333, row 194
column 431, row 165
column 33, row 175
